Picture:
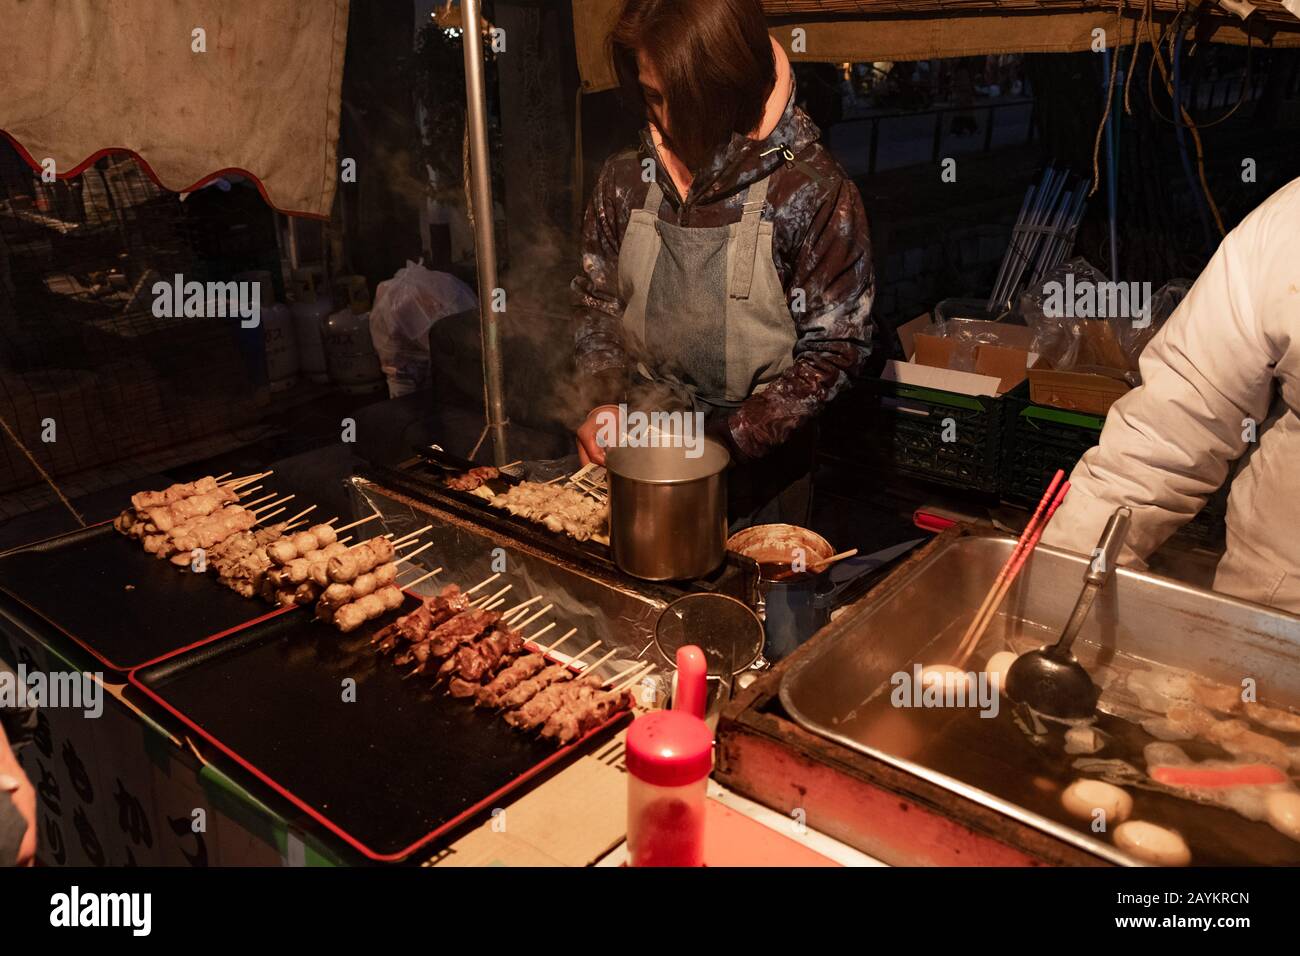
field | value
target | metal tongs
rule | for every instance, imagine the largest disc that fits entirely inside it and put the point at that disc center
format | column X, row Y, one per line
column 1050, row 681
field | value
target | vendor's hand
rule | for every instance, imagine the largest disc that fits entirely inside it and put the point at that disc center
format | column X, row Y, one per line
column 596, row 425
column 15, row 786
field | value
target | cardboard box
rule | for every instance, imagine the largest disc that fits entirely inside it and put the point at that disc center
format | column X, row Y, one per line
column 998, row 368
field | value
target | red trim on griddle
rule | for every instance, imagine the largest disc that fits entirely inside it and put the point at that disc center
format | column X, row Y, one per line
column 353, row 841
column 338, row 831
column 111, row 665
column 94, row 157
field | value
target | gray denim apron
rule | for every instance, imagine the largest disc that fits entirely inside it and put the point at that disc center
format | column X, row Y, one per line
column 707, row 323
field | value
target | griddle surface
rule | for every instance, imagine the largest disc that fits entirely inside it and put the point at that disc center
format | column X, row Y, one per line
column 121, row 604
column 387, row 773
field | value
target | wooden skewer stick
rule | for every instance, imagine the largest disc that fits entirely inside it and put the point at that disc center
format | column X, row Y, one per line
column 494, row 605
column 532, row 617
column 413, row 553
column 511, row 465
column 413, row 534
column 300, row 514
column 484, row 583
column 234, row 482
column 639, row 665
column 552, row 481
column 422, row 578
column 484, row 601
column 583, row 653
column 234, row 485
column 633, row 680
column 533, row 639
column 360, row 521
column 510, row 613
column 437, row 570
column 248, row 491
column 221, row 477
column 567, row 634
column 249, row 504
column 331, row 521
column 268, row 517
column 406, row 544
column 591, row 668
column 273, row 503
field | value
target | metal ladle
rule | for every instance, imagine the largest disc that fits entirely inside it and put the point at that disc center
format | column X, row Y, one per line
column 1050, row 681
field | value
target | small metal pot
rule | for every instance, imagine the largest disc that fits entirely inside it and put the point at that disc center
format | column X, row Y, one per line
column 793, row 609
column 667, row 510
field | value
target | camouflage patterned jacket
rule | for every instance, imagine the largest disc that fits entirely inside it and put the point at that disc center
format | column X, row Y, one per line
column 821, row 250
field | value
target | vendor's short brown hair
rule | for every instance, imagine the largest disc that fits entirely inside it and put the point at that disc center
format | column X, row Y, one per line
column 714, row 60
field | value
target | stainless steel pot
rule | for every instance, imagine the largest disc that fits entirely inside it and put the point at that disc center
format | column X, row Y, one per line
column 667, row 510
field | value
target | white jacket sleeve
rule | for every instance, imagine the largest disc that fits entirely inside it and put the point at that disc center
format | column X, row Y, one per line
column 1207, row 375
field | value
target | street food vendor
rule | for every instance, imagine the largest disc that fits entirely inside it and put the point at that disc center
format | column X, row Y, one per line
column 726, row 266
column 1220, row 385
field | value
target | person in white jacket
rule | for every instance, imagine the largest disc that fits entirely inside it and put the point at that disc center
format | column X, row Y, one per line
column 1220, row 383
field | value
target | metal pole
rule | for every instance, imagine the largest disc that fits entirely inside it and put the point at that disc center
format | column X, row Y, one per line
column 485, row 248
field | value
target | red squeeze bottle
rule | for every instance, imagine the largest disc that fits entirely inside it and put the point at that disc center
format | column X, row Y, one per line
column 669, row 757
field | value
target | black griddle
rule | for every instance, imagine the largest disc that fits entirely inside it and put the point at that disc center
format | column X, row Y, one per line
column 389, row 773
column 122, row 605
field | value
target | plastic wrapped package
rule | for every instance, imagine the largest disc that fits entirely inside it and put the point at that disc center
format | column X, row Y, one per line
column 1134, row 336
column 970, row 333
column 1058, row 332
column 405, row 308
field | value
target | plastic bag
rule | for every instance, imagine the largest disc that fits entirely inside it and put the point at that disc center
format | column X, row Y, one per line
column 1134, row 336
column 1058, row 335
column 406, row 307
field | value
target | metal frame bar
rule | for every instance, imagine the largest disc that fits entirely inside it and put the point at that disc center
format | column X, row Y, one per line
column 485, row 248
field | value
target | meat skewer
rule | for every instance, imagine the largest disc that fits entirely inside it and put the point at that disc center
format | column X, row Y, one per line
column 446, row 637
column 526, row 690
column 351, row 616
column 543, row 700
column 582, row 705
column 338, row 594
column 417, row 625
column 344, row 568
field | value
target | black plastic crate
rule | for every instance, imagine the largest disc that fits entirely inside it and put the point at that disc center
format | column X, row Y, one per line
column 942, row 437
column 1038, row 439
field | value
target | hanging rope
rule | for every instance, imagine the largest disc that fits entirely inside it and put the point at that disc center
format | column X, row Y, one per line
column 1110, row 99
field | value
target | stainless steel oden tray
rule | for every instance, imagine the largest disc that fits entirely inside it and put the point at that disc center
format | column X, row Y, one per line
column 1139, row 621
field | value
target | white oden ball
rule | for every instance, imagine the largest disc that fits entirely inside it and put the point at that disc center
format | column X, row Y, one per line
column 1152, row 844
column 1283, row 810
column 998, row 666
column 1084, row 798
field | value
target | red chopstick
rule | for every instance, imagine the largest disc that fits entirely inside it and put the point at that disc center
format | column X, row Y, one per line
column 1028, row 540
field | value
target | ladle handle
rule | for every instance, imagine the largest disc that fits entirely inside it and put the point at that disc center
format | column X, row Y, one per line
column 1099, row 572
column 1106, row 554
